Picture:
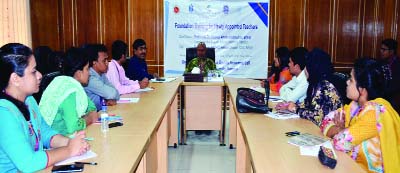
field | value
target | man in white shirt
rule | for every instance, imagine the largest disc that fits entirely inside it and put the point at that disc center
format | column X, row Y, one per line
column 296, row 89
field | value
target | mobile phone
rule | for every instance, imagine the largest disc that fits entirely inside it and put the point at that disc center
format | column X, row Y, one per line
column 115, row 124
column 67, row 168
column 160, row 79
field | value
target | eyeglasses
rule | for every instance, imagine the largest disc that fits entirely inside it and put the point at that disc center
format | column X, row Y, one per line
column 382, row 48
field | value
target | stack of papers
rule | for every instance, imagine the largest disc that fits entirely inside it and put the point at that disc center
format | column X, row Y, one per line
column 163, row 80
column 128, row 100
column 282, row 115
column 144, row 90
column 87, row 155
column 313, row 150
column 306, row 140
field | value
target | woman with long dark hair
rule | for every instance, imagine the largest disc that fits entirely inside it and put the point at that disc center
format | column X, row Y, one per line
column 322, row 95
column 368, row 129
column 23, row 132
column 279, row 74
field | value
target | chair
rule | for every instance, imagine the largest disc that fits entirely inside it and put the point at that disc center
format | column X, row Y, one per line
column 192, row 53
column 339, row 81
column 46, row 80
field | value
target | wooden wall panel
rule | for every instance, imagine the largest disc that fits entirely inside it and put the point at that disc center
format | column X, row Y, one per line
column 115, row 25
column 67, row 19
column 371, row 28
column 346, row 29
column 289, row 18
column 44, row 23
column 318, row 24
column 87, row 22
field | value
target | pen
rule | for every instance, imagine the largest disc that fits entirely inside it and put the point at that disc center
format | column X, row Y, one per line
column 86, row 163
column 89, row 138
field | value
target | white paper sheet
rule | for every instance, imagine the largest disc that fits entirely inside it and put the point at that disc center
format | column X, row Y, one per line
column 167, row 79
column 282, row 115
column 87, row 155
column 144, row 90
column 128, row 100
column 313, row 150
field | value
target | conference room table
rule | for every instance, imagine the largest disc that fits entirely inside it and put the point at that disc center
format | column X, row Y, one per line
column 262, row 146
column 140, row 145
column 150, row 126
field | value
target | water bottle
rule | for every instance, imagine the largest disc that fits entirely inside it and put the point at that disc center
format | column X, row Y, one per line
column 104, row 117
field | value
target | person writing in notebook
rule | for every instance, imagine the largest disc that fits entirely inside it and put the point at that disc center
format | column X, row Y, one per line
column 368, row 129
column 201, row 61
column 116, row 73
column 23, row 132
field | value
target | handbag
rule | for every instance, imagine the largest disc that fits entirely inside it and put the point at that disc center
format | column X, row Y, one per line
column 249, row 100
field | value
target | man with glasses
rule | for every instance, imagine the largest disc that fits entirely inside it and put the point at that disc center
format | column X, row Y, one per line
column 389, row 55
column 116, row 73
column 99, row 88
column 201, row 61
column 137, row 68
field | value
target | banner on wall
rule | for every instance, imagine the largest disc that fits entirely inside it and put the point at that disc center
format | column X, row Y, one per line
column 237, row 29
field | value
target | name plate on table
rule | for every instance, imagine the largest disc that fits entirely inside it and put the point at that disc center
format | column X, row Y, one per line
column 193, row 77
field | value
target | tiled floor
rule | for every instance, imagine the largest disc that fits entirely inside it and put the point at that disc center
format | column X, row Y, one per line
column 202, row 154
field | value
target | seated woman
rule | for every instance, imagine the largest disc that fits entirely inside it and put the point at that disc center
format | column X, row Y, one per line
column 24, row 134
column 279, row 74
column 64, row 104
column 322, row 96
column 368, row 129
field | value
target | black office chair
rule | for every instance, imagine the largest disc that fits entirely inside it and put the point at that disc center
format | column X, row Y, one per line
column 46, row 80
column 192, row 53
column 339, row 81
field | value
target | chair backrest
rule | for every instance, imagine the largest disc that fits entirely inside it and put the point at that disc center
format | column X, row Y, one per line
column 339, row 81
column 191, row 53
column 46, row 80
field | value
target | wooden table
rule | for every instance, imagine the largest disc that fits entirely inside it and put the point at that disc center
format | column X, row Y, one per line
column 262, row 145
column 140, row 145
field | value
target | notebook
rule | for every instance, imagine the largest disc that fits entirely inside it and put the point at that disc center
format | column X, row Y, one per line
column 128, row 100
column 306, row 139
column 282, row 115
column 87, row 155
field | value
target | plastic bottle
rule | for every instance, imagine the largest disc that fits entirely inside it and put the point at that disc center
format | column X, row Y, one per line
column 104, row 117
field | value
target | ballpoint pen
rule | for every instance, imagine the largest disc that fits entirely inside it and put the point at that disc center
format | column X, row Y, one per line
column 89, row 138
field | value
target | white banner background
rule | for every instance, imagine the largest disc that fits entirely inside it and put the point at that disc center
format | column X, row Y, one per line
column 238, row 30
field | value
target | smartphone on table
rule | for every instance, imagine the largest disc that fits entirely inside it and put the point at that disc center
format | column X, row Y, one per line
column 67, row 168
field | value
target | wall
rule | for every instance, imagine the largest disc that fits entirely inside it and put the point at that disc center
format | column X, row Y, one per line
column 346, row 29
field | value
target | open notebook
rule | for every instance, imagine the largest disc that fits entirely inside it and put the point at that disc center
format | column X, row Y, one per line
column 87, row 155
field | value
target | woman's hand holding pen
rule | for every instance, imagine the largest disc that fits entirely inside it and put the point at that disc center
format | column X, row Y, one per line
column 78, row 145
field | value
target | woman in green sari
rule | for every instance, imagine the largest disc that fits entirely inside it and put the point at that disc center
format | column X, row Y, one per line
column 64, row 104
